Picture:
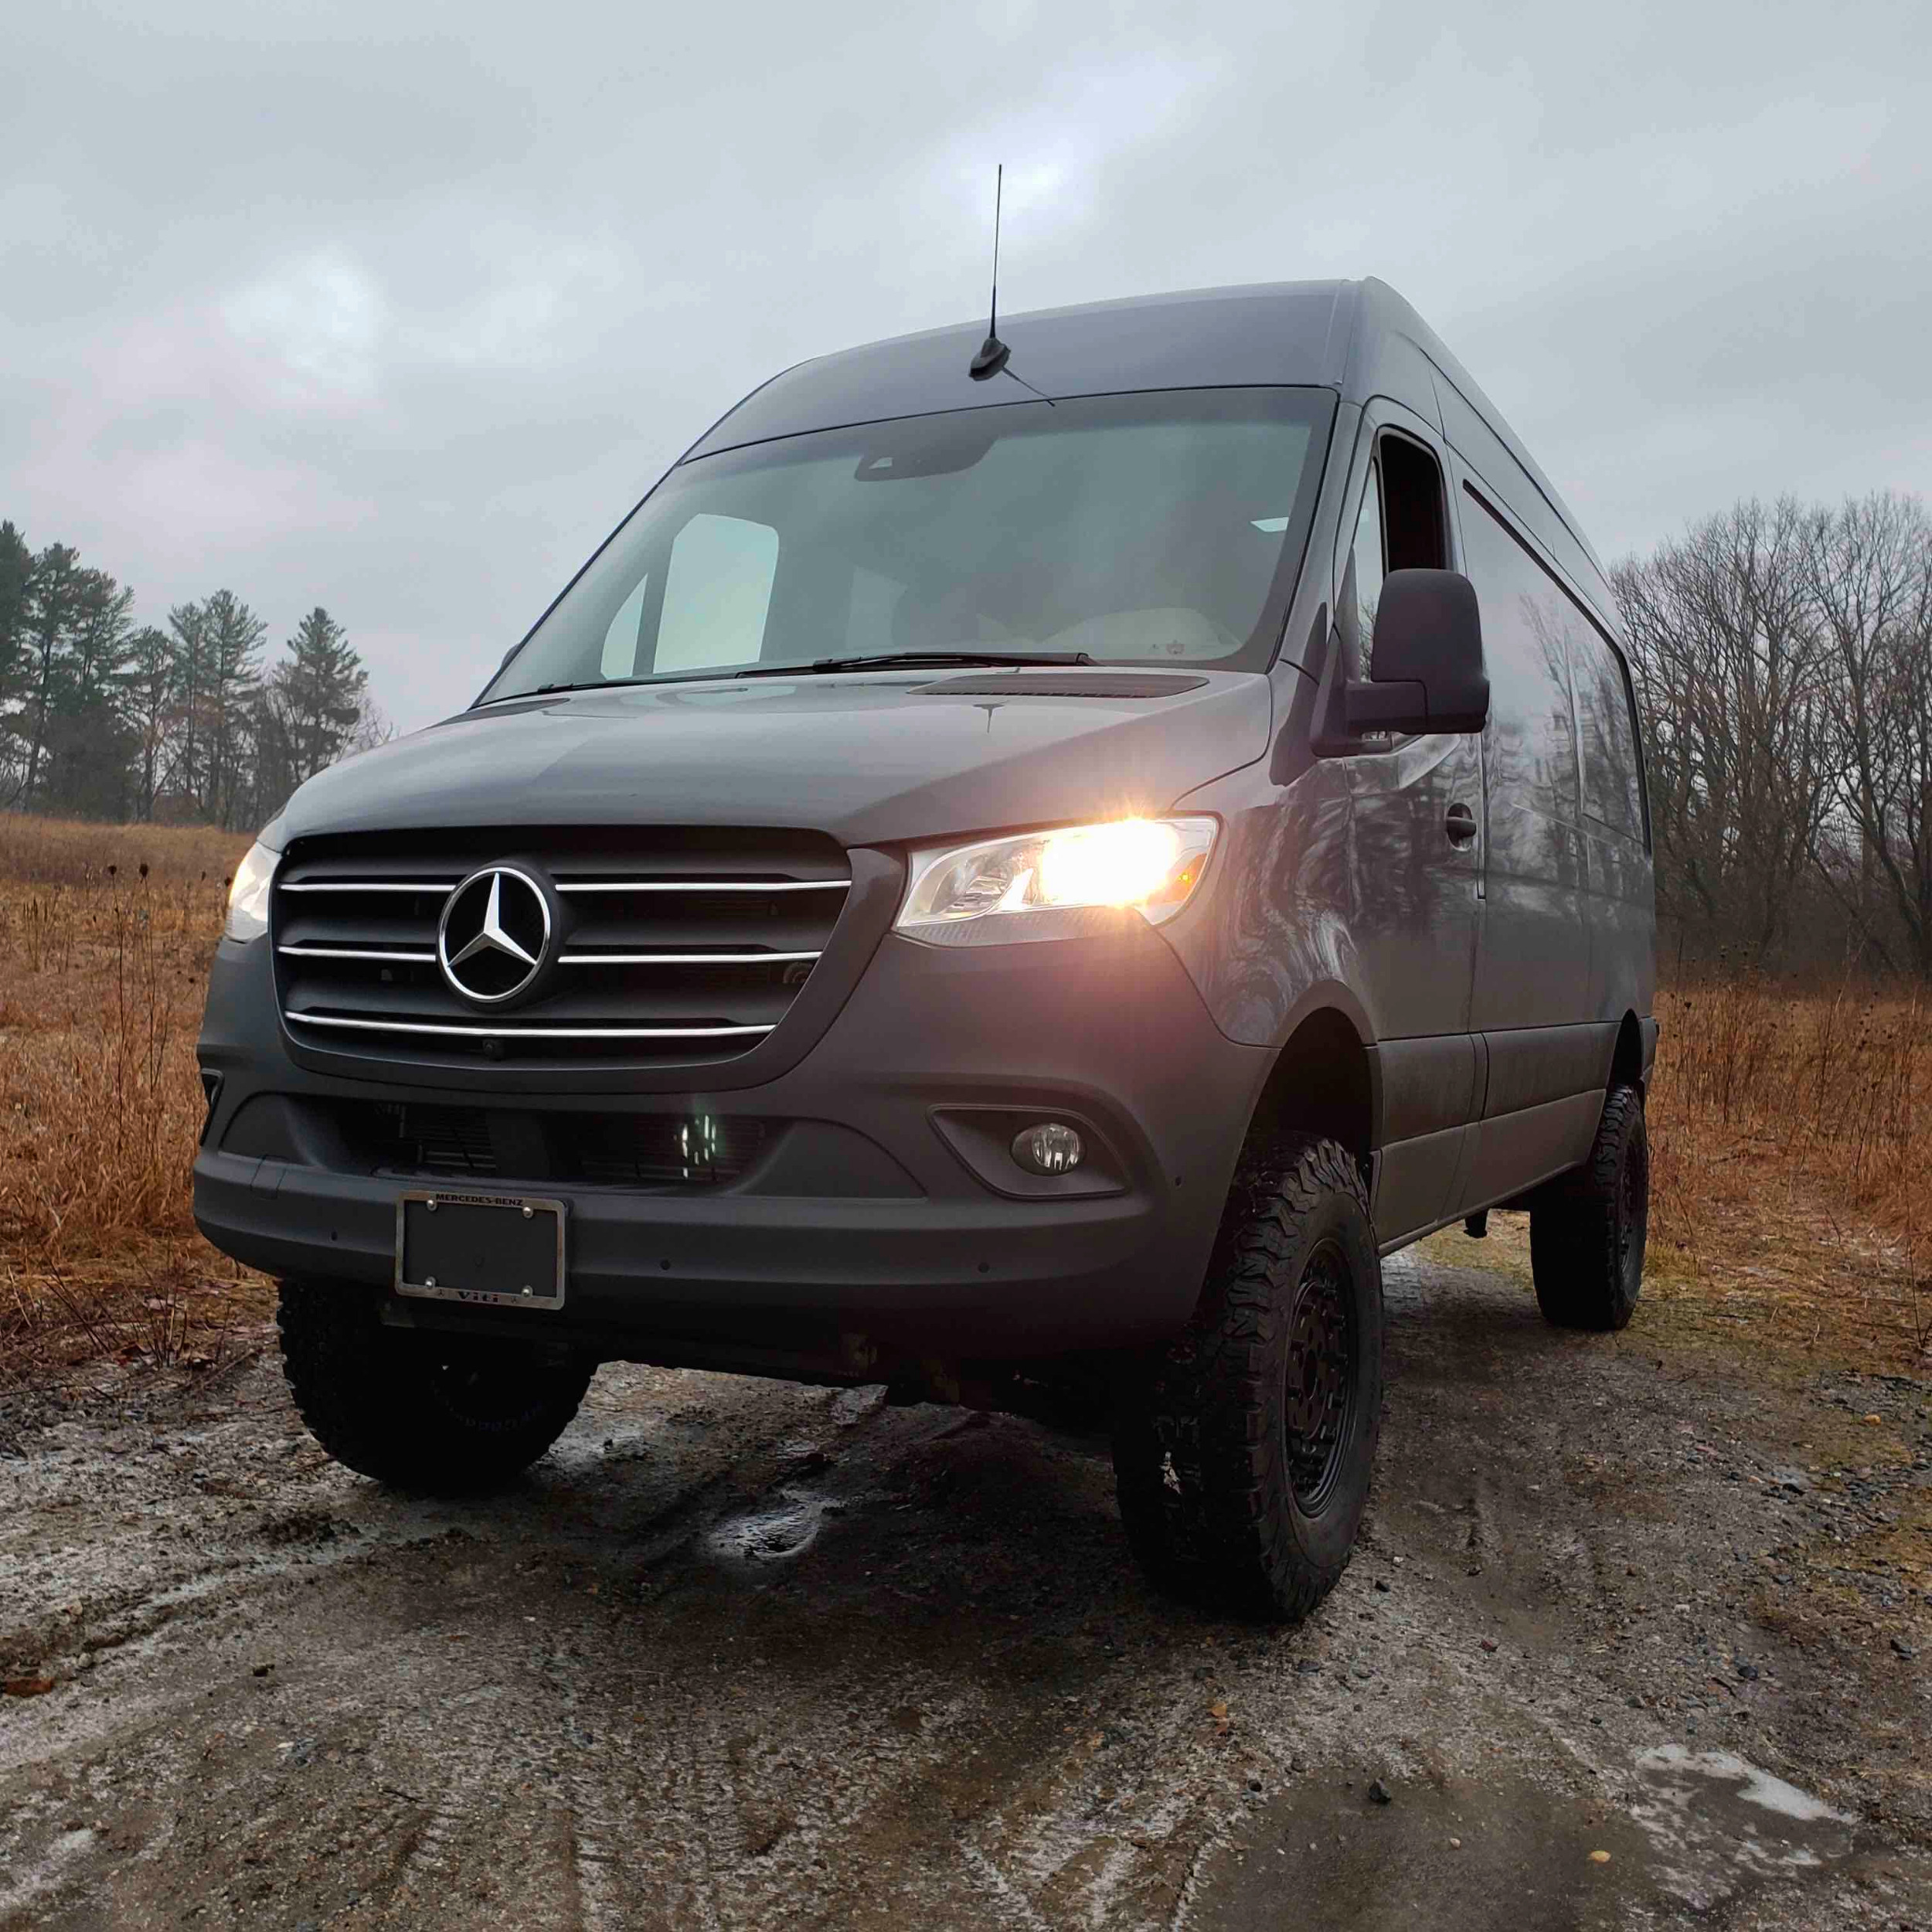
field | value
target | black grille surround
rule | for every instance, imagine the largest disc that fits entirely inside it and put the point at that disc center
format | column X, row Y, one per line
column 673, row 945
column 633, row 1151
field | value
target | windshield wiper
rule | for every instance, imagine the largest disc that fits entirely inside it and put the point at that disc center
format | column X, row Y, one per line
column 914, row 660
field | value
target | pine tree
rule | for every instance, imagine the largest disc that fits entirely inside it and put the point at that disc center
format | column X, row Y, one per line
column 148, row 686
column 55, row 591
column 87, row 741
column 16, row 574
column 16, row 577
column 319, row 694
column 228, row 671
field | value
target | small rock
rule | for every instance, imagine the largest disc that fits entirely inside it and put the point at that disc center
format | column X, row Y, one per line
column 1382, row 1584
column 1254, row 1784
column 1599, row 1858
column 1308, row 1667
column 1455, row 1844
column 262, row 1670
column 1490, row 1645
column 28, row 1686
column 1379, row 1794
column 1748, row 1672
column 1898, row 1644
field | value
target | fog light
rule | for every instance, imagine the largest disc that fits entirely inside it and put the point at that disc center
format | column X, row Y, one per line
column 1051, row 1147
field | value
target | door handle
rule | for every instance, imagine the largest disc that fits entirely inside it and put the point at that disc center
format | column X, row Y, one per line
column 1460, row 825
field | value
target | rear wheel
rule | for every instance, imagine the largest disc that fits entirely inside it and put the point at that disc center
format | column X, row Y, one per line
column 1243, row 1452
column 449, row 1415
column 1587, row 1228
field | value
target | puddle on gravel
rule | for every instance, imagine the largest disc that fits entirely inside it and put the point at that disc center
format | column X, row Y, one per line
column 775, row 1533
column 1716, row 1820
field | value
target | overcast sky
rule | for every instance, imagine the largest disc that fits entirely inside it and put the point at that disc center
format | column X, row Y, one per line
column 396, row 307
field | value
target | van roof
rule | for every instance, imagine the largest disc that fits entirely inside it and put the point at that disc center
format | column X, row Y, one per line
column 1359, row 338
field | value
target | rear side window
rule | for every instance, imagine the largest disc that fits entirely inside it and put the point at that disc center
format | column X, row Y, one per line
column 1608, row 738
column 1526, row 618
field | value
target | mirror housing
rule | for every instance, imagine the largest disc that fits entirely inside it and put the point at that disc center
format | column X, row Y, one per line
column 1426, row 670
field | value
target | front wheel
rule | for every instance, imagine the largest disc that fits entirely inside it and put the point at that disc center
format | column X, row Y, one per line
column 1587, row 1228
column 449, row 1415
column 1243, row 1452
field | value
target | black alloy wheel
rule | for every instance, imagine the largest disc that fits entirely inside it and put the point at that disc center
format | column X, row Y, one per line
column 1243, row 1452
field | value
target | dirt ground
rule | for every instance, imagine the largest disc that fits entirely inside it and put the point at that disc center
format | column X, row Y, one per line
column 1637, row 1635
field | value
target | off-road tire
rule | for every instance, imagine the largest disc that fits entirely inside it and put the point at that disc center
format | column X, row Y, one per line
column 1587, row 1227
column 444, row 1415
column 1227, row 1496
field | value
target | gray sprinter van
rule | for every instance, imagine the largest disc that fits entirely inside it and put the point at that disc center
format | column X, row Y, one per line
column 1019, row 867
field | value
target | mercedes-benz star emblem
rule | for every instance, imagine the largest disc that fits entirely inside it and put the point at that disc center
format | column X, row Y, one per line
column 495, row 939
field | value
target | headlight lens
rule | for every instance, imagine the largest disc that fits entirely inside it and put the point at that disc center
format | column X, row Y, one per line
column 248, row 894
column 1055, row 885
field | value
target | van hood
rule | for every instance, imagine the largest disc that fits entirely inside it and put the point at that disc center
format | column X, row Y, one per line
column 869, row 759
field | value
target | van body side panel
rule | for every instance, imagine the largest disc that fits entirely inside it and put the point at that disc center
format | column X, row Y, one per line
column 1532, row 964
column 1516, row 1151
column 1530, row 1065
column 1428, row 1089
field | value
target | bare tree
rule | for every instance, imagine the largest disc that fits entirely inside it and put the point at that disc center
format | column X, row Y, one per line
column 1733, row 671
column 1871, row 584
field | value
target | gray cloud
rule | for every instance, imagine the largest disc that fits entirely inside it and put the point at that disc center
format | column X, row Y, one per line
column 399, row 307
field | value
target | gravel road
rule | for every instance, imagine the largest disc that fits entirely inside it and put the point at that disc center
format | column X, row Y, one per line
column 1635, row 1636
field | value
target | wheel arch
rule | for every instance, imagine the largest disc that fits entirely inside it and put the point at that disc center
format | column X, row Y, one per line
column 1324, row 1080
column 1626, row 1058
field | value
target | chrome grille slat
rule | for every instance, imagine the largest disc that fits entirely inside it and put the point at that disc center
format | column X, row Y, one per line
column 483, row 1031
column 682, row 959
column 367, row 886
column 702, row 885
column 427, row 957
column 686, row 944
column 424, row 958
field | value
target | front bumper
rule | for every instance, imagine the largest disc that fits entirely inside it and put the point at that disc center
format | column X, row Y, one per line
column 866, row 1237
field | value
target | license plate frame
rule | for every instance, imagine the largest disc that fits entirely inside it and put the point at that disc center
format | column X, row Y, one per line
column 491, row 1250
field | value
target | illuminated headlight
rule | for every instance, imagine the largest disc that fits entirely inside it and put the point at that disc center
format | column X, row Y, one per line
column 1055, row 885
column 248, row 894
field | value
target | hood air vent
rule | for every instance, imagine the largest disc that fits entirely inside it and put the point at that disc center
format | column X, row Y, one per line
column 1056, row 684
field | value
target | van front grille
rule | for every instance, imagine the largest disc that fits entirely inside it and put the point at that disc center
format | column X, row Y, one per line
column 684, row 944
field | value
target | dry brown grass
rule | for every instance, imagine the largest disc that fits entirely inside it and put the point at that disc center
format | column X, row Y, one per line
column 1792, row 1129
column 105, row 934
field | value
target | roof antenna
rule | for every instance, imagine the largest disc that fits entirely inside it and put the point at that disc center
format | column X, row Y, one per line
column 993, row 353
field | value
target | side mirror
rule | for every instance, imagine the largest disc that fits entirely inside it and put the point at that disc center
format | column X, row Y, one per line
column 1425, row 667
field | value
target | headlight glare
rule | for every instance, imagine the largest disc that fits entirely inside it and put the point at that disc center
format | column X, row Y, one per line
column 248, row 893
column 1054, row 884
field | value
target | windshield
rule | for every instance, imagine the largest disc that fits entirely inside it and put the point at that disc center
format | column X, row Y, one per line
column 1130, row 529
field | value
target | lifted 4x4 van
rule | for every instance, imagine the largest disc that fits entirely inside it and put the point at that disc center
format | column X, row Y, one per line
column 976, row 891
